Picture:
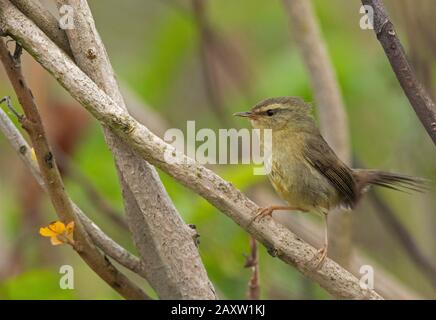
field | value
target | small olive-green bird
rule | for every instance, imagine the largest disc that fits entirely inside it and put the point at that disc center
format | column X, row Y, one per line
column 305, row 171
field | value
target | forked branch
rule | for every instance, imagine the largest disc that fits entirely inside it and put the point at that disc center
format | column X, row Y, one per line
column 31, row 122
column 419, row 99
column 220, row 193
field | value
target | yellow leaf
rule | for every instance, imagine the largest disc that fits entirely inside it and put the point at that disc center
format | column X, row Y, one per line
column 55, row 241
column 33, row 154
column 57, row 227
column 46, row 232
column 58, row 232
column 70, row 227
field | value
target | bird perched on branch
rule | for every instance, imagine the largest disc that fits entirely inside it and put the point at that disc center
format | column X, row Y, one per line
column 305, row 171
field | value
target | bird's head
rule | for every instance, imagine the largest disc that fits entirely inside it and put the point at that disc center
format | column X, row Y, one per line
column 279, row 113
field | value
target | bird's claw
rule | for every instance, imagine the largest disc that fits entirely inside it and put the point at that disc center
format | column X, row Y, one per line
column 320, row 256
column 262, row 213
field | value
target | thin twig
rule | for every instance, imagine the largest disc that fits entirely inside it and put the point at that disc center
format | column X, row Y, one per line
column 143, row 192
column 389, row 286
column 102, row 240
column 8, row 102
column 220, row 193
column 166, row 248
column 252, row 262
column 419, row 99
column 31, row 122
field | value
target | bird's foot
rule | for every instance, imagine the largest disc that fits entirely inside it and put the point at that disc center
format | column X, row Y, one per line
column 267, row 211
column 262, row 213
column 319, row 258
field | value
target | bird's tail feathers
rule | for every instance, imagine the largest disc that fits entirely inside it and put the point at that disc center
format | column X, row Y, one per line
column 395, row 181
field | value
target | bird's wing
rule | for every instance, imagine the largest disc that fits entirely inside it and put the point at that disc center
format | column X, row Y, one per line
column 320, row 156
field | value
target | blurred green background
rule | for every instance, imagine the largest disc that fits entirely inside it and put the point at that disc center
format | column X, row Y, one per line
column 156, row 50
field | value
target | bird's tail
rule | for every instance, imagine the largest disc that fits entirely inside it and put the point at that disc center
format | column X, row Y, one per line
column 395, row 181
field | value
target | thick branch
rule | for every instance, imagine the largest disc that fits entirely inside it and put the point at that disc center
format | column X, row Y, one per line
column 420, row 100
column 332, row 113
column 164, row 242
column 54, row 184
column 282, row 243
column 101, row 240
column 386, row 284
column 46, row 22
column 148, row 206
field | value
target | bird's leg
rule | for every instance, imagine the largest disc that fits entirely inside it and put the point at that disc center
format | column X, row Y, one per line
column 267, row 211
column 322, row 253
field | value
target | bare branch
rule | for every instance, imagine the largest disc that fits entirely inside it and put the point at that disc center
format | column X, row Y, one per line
column 281, row 242
column 252, row 262
column 166, row 248
column 103, row 241
column 421, row 102
column 332, row 113
column 53, row 182
column 19, row 144
column 46, row 22
column 150, row 205
column 387, row 285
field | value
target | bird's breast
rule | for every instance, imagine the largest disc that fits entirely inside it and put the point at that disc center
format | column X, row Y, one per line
column 296, row 181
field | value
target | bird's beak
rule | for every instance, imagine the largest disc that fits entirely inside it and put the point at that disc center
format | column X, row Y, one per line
column 247, row 114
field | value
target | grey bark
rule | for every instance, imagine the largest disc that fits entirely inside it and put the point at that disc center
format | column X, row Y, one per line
column 100, row 239
column 169, row 255
column 220, row 193
column 385, row 283
column 419, row 99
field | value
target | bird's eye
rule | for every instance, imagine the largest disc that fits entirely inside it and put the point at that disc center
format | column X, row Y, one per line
column 270, row 112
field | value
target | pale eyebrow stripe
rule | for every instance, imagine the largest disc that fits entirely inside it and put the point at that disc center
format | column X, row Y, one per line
column 272, row 106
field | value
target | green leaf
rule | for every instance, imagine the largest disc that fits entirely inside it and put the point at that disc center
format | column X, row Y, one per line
column 35, row 285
